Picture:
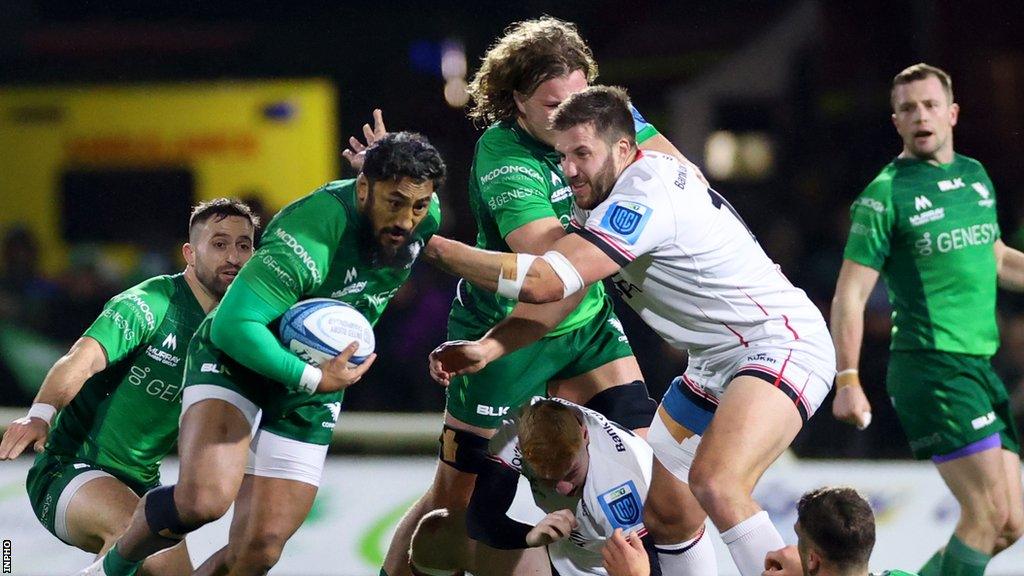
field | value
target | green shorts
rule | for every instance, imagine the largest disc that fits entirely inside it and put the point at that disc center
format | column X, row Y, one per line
column 482, row 399
column 946, row 401
column 297, row 415
column 52, row 482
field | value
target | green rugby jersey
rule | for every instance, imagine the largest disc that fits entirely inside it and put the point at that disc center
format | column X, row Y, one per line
column 929, row 230
column 516, row 179
column 125, row 417
column 316, row 247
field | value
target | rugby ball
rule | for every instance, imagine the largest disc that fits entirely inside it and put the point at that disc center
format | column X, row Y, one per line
column 320, row 328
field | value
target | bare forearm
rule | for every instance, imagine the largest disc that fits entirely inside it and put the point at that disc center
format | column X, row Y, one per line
column 529, row 323
column 847, row 331
column 480, row 267
column 67, row 376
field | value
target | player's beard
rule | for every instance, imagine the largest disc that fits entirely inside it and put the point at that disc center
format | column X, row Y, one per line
column 601, row 185
column 378, row 253
column 212, row 281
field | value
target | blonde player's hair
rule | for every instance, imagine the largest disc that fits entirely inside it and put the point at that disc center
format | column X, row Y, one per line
column 921, row 71
column 530, row 53
column 550, row 437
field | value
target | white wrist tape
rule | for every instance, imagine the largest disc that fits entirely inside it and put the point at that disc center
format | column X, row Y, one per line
column 847, row 371
column 44, row 412
column 567, row 273
column 512, row 276
column 310, row 378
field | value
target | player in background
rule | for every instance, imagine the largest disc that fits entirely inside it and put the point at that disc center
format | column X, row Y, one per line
column 588, row 474
column 927, row 223
column 760, row 358
column 835, row 530
column 521, row 201
column 117, row 393
column 353, row 240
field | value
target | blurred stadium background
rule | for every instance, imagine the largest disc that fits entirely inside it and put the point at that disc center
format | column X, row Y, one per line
column 116, row 116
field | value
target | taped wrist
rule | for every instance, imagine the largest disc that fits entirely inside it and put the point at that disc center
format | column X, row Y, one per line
column 43, row 411
column 628, row 405
column 462, row 450
column 848, row 377
column 162, row 514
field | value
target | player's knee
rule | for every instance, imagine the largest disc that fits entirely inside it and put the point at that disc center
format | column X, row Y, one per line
column 201, row 504
column 1012, row 531
column 671, row 524
column 262, row 550
column 715, row 489
column 629, row 405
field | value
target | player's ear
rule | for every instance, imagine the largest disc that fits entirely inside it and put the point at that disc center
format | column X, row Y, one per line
column 362, row 189
column 188, row 253
column 520, row 99
column 954, row 113
column 813, row 561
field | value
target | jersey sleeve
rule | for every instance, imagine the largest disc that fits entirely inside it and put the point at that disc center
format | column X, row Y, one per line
column 513, row 188
column 871, row 227
column 240, row 329
column 296, row 249
column 644, row 129
column 634, row 220
column 131, row 317
column 290, row 263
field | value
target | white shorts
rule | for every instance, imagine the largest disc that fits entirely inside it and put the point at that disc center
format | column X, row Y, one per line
column 804, row 370
column 199, row 392
column 273, row 456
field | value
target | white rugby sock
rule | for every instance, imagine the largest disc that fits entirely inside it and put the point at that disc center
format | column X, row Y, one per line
column 750, row 541
column 694, row 557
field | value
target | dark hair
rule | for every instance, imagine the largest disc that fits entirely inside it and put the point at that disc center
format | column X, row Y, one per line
column 921, row 71
column 528, row 54
column 839, row 523
column 606, row 107
column 404, row 154
column 219, row 209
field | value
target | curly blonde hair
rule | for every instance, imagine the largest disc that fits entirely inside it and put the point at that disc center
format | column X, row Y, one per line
column 527, row 55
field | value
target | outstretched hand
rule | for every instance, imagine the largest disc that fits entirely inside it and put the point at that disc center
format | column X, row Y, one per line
column 455, row 358
column 356, row 151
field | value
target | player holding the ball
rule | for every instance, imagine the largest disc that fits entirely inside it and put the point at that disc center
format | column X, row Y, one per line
column 352, row 240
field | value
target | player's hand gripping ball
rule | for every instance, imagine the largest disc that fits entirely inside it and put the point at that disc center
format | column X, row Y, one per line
column 319, row 329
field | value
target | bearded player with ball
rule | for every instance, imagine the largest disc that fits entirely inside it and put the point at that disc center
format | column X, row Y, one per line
column 351, row 240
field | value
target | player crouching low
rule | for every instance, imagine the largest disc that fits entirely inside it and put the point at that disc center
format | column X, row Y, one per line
column 588, row 474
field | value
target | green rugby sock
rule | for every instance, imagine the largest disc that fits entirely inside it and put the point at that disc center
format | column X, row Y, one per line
column 933, row 567
column 962, row 560
column 116, row 565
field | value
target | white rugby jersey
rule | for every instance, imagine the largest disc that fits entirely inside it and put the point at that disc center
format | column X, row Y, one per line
column 613, row 495
column 690, row 266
